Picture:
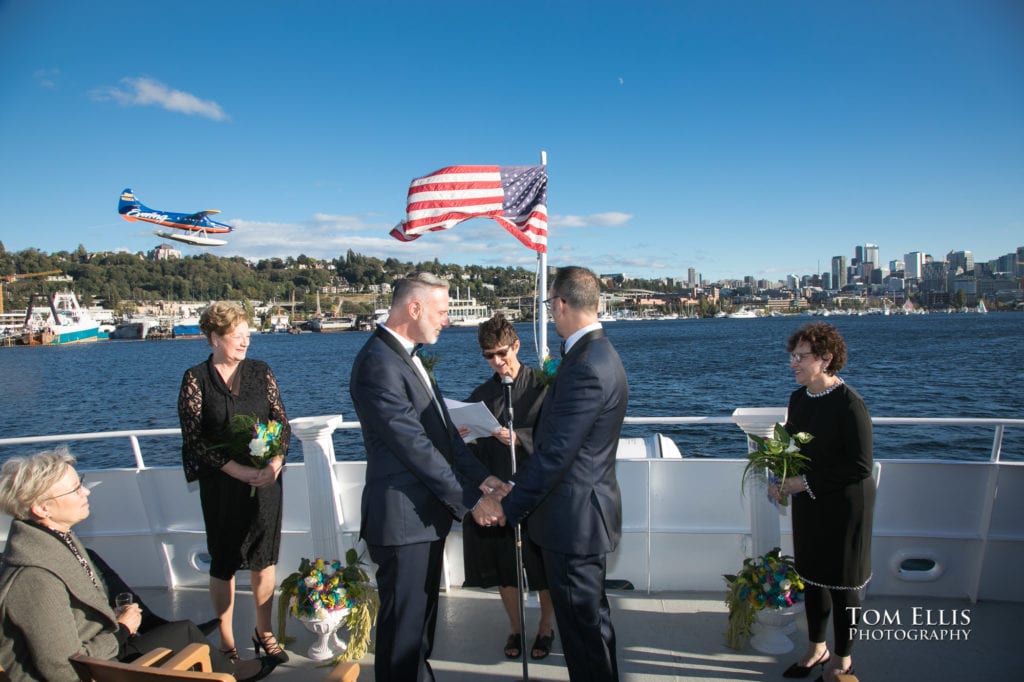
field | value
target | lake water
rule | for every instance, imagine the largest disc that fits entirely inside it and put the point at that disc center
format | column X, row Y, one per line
column 937, row 365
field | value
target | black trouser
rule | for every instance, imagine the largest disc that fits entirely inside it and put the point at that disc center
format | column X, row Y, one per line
column 819, row 603
column 174, row 636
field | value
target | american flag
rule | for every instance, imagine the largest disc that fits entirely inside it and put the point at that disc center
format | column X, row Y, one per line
column 515, row 196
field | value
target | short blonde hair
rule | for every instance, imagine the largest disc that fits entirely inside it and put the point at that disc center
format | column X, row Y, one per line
column 24, row 480
column 222, row 317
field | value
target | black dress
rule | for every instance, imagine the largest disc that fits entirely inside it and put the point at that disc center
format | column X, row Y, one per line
column 832, row 529
column 489, row 554
column 243, row 531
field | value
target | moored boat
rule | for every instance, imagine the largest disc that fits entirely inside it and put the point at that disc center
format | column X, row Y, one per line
column 57, row 321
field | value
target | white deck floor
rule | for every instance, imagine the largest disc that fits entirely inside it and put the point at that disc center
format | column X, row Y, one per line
column 668, row 636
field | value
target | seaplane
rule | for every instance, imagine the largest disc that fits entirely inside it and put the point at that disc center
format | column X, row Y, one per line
column 195, row 226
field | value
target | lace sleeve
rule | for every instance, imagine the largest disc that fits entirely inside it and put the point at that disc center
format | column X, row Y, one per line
column 196, row 451
column 277, row 412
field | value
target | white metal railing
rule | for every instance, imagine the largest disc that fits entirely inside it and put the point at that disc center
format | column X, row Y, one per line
column 998, row 426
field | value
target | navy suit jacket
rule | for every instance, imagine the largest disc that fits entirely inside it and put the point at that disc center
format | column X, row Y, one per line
column 568, row 486
column 412, row 493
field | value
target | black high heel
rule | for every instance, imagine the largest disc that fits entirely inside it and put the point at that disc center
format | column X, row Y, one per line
column 848, row 671
column 797, row 671
column 270, row 646
column 230, row 654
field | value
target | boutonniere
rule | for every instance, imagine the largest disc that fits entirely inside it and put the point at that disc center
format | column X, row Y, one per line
column 429, row 360
column 548, row 369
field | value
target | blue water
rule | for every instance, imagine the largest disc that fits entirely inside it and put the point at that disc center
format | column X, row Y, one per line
column 918, row 366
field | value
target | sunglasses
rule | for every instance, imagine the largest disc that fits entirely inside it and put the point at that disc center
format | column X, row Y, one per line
column 491, row 354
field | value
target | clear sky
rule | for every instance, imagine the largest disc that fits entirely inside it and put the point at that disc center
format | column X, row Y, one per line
column 739, row 138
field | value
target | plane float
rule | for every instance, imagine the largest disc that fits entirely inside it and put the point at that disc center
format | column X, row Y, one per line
column 195, row 227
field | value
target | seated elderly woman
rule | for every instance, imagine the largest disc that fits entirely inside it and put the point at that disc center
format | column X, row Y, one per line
column 53, row 600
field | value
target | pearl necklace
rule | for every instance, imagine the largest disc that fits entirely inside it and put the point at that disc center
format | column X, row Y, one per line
column 828, row 390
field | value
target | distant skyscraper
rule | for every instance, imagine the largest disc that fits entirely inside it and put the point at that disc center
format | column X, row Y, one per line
column 960, row 262
column 871, row 254
column 838, row 272
column 913, row 265
column 858, row 256
column 691, row 277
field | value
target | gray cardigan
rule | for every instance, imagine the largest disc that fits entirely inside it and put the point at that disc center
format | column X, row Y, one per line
column 49, row 608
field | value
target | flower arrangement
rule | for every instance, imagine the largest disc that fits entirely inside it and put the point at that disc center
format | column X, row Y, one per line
column 780, row 455
column 429, row 360
column 321, row 587
column 264, row 440
column 545, row 374
column 766, row 582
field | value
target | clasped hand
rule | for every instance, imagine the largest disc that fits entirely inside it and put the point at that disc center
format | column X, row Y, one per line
column 488, row 511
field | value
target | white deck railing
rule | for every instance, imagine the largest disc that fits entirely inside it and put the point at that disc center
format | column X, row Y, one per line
column 685, row 520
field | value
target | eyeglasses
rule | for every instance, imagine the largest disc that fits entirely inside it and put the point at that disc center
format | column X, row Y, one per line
column 799, row 357
column 547, row 301
column 491, row 354
column 81, row 484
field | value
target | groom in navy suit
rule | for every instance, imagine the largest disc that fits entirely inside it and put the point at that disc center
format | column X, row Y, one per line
column 568, row 486
column 420, row 476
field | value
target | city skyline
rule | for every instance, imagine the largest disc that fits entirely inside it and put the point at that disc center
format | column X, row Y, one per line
column 735, row 138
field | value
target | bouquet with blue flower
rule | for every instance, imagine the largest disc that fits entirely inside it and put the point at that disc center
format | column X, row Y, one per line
column 264, row 440
column 780, row 455
column 765, row 582
column 545, row 374
column 320, row 588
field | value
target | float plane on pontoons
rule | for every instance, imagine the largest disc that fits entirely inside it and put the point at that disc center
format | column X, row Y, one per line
column 195, row 226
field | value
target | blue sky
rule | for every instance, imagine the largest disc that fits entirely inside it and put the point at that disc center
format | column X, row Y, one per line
column 738, row 138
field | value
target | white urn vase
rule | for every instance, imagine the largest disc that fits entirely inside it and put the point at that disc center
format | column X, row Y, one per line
column 772, row 628
column 327, row 644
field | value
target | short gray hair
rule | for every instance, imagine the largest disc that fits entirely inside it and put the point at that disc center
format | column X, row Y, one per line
column 407, row 287
column 24, row 480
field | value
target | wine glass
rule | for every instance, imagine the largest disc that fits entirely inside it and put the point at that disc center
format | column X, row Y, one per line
column 122, row 601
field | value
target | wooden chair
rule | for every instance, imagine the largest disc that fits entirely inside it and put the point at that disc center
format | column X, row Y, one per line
column 156, row 666
column 347, row 671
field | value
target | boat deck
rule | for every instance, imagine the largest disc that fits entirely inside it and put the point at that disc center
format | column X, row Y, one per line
column 672, row 636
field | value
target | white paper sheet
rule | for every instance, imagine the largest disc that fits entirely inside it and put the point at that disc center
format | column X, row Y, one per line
column 476, row 416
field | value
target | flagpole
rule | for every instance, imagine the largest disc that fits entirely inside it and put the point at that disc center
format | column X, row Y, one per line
column 542, row 286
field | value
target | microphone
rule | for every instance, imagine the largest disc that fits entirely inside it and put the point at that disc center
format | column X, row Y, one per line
column 506, row 384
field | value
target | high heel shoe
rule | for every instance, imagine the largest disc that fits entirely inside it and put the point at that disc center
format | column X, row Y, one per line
column 797, row 670
column 269, row 645
column 230, row 654
column 848, row 671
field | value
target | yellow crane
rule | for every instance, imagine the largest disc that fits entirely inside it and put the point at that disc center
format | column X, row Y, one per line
column 13, row 278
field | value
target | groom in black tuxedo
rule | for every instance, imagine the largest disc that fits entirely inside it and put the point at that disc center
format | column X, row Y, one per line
column 568, row 486
column 420, row 476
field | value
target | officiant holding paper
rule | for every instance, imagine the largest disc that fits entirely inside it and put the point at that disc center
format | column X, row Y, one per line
column 489, row 553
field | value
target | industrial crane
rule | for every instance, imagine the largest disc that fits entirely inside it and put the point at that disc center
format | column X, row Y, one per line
column 12, row 278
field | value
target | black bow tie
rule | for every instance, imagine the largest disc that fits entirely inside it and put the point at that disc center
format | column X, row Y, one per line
column 561, row 349
column 417, row 348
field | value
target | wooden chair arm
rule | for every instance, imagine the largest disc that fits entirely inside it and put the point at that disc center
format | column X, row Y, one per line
column 192, row 655
column 151, row 658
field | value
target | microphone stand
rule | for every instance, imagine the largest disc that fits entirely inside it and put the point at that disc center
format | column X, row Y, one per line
column 506, row 384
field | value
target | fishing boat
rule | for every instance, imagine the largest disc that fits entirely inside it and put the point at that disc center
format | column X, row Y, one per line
column 58, row 320
column 134, row 328
column 186, row 326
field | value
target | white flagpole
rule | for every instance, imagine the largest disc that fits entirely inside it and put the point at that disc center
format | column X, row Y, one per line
column 542, row 286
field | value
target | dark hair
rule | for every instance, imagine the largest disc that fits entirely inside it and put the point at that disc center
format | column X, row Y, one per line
column 824, row 340
column 495, row 332
column 578, row 287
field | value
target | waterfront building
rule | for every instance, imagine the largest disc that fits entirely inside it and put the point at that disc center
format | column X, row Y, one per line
column 871, row 253
column 913, row 265
column 960, row 262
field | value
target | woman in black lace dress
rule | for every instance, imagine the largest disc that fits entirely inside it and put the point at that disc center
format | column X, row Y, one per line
column 834, row 501
column 241, row 502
